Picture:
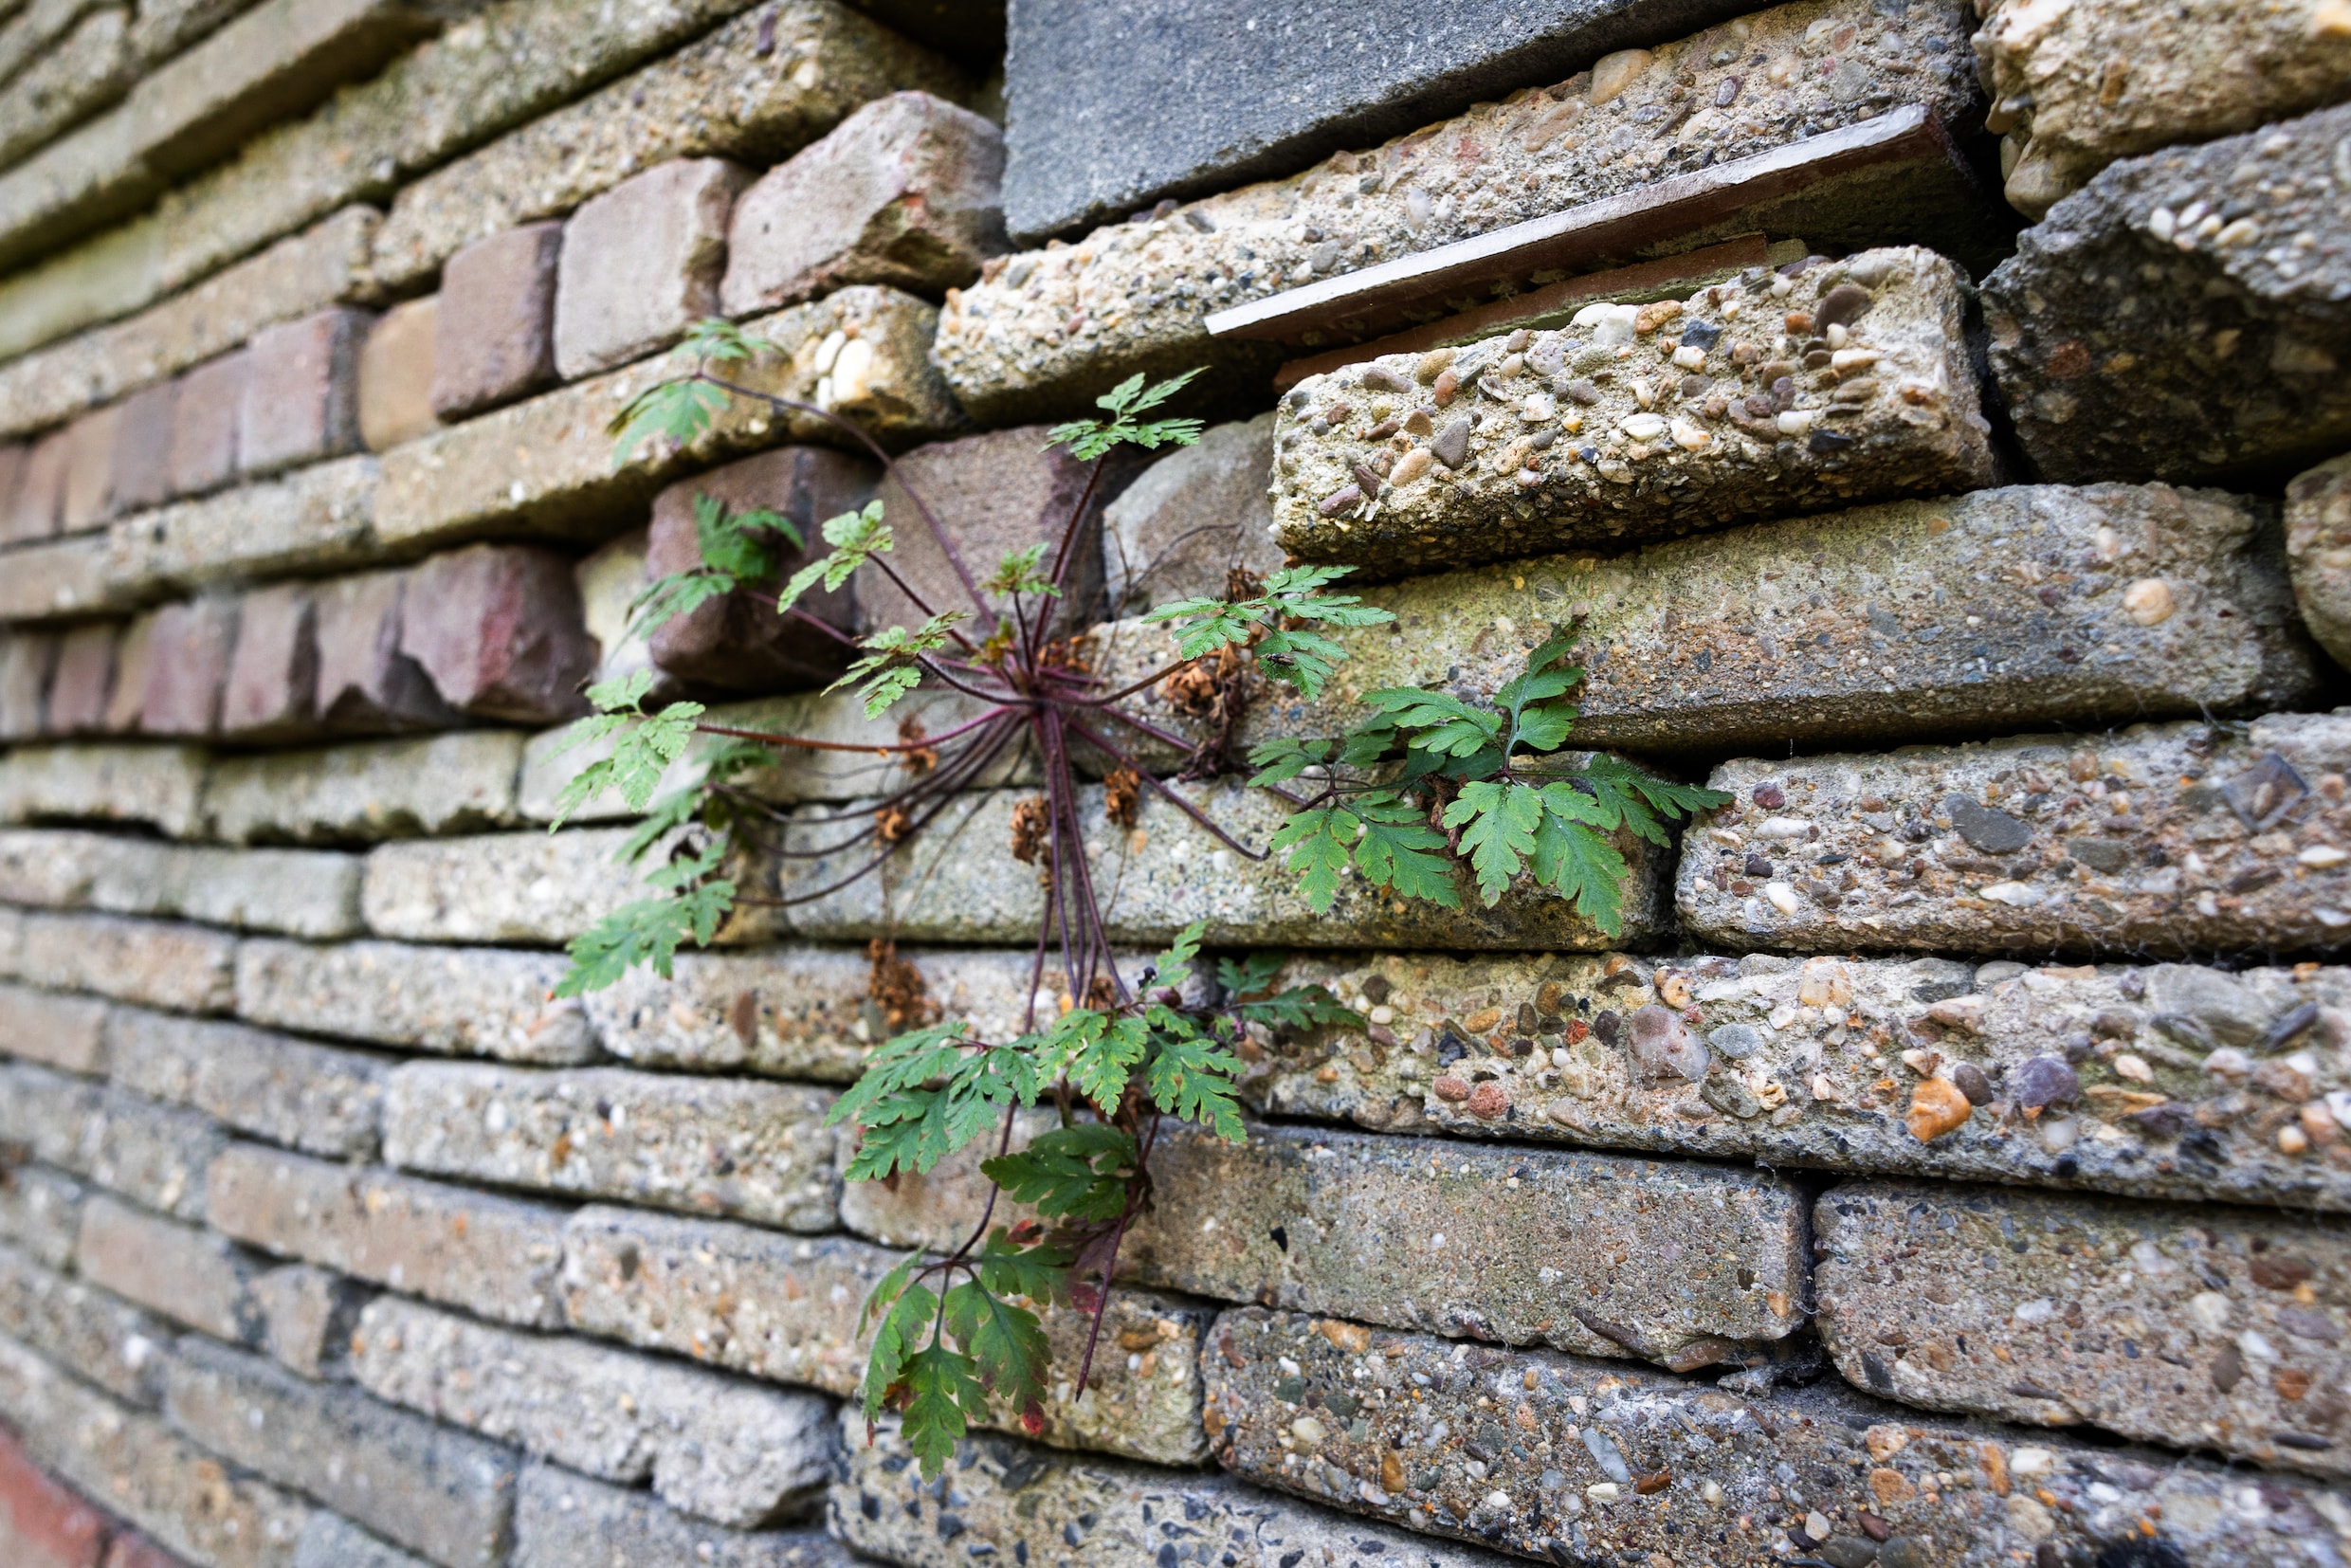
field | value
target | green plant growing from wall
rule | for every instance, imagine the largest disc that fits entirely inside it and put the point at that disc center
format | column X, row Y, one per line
column 1430, row 788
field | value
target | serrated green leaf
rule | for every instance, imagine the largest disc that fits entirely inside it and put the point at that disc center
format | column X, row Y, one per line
column 1039, row 1270
column 888, row 1289
column 1069, row 1172
column 1281, row 760
column 1576, row 860
column 678, row 411
column 1400, row 852
column 1321, row 842
column 904, row 1325
column 647, row 931
column 1017, row 574
column 1193, row 1078
column 943, row 1396
column 1496, row 823
column 1004, row 1341
column 892, row 665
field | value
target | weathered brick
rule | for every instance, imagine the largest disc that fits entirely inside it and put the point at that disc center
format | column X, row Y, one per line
column 642, row 261
column 41, row 1212
column 495, row 338
column 377, row 789
column 313, row 1098
column 366, row 682
column 499, row 887
column 546, row 467
column 1161, row 876
column 2059, row 1305
column 161, row 785
column 329, row 1541
column 182, row 968
column 566, row 1520
column 188, row 1274
column 130, row 1551
column 1189, row 519
column 458, row 1001
column 1598, row 1253
column 83, row 686
column 447, row 1495
column 906, row 191
column 711, row 1446
column 396, row 371
column 190, row 646
column 2318, row 543
column 42, row 1524
column 787, row 1309
column 36, row 499
column 760, row 1151
column 60, row 1031
column 133, row 662
column 89, row 490
column 308, row 1316
column 499, row 629
column 142, row 466
column 27, row 662
column 203, row 424
column 1065, row 1512
column 59, row 577
column 1011, row 352
column 315, row 519
column 105, row 1339
column 136, row 1466
column 2209, row 359
column 154, row 1154
column 1552, row 1456
column 2126, row 844
column 756, row 89
column 495, row 1257
column 272, row 685
column 301, row 394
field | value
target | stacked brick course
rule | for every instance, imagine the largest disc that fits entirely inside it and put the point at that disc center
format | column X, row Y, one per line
column 1984, row 1203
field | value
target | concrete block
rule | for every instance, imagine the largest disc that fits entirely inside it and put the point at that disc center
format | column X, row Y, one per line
column 310, row 521
column 567, row 1521
column 89, row 491
column 1552, row 1456
column 142, row 466
column 396, row 369
column 786, row 1310
column 41, row 1212
column 313, row 1098
column 375, row 790
column 2318, row 543
column 534, row 888
column 83, row 687
column 160, row 786
column 499, row 629
column 546, row 467
column 737, row 643
column 496, row 336
column 66, row 1033
column 906, row 191
column 272, row 685
column 299, row 893
column 610, row 579
column 460, row 1001
column 181, row 968
column 84, row 71
column 2162, row 840
column 495, row 1257
column 715, row 1446
column 47, row 1115
column 151, row 1152
column 642, row 263
column 190, row 646
column 367, row 684
column 308, row 1317
column 2191, row 1327
column 186, row 1273
column 2129, row 344
column 27, row 662
column 708, row 1146
column 36, row 502
column 1190, row 519
column 447, row 1495
column 329, row 1542
column 302, row 396
column 105, row 1339
column 44, row 1524
column 135, row 1466
column 59, row 577
column 204, row 423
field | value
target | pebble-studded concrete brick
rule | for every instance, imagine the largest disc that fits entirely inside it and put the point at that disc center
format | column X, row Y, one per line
column 184, row 967
column 308, row 1315
column 1847, row 382
column 161, row 785
column 458, row 1001
column 150, row 1152
column 2158, row 839
column 107, row 1341
column 567, row 1521
column 298, row 892
column 317, row 1099
column 315, row 519
column 391, row 789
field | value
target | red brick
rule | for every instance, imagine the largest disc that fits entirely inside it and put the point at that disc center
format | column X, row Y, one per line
column 640, row 263
column 42, row 1524
column 11, row 474
column 906, row 191
column 737, row 643
column 89, row 494
column 273, row 676
column 187, row 666
column 126, row 706
column 138, row 1551
column 27, row 660
column 39, row 498
column 395, row 375
column 367, row 686
column 84, row 681
column 302, row 396
column 500, row 630
column 142, row 475
column 494, row 340
column 203, row 424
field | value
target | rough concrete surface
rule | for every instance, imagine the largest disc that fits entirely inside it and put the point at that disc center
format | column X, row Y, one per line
column 566, row 1520
column 451, row 1001
column 2318, row 546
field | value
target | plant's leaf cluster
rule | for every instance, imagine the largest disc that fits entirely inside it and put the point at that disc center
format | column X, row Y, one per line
column 1088, row 439
column 1276, row 625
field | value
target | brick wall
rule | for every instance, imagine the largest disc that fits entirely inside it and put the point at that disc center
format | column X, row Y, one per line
column 1934, row 413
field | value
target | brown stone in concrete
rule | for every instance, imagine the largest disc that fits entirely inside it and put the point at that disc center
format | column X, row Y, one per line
column 641, row 264
column 272, row 686
column 84, row 680
column 36, row 499
column 161, row 963
column 188, row 666
column 301, row 398
column 185, row 1272
column 396, row 375
column 89, row 496
column 142, row 476
column 499, row 629
column 494, row 339
column 204, row 423
column 2318, row 546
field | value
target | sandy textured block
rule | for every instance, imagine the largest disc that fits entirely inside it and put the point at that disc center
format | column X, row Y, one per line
column 189, row 647
column 787, row 1309
column 58, row 577
column 566, row 1520
column 711, row 1445
column 2181, row 317
column 66, row 1033
column 41, row 1212
column 329, row 1541
column 183, row 968
column 396, row 375
column 36, row 499
column 186, row 1273
column 1049, row 331
column 451, row 1000
column 709, row 1146
column 377, row 789
column 313, row 1098
column 150, row 1152
column 2158, row 839
column 89, row 491
column 1609, row 1256
column 308, row 1316
column 110, row 1341
column 526, row 888
column 301, row 394
column 203, row 424
column 2077, row 87
column 313, row 520
column 2193, row 1327
column 1189, row 519
column 28, row 665
column 1849, row 381
column 1553, row 1457
column 142, row 467
column 955, row 883
column 160, row 786
column 2318, row 543
column 547, row 467
column 495, row 1257
column 271, row 689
